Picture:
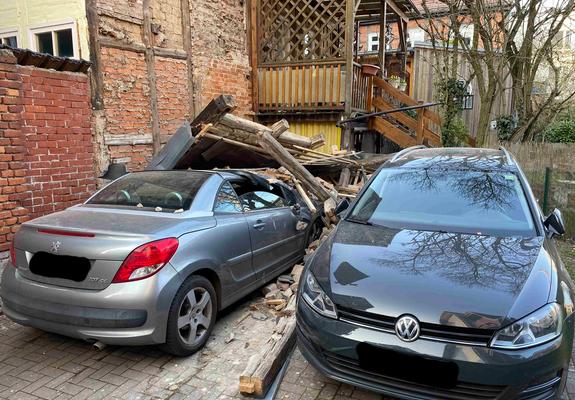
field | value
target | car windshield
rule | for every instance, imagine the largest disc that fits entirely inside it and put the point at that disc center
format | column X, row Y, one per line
column 462, row 201
column 160, row 191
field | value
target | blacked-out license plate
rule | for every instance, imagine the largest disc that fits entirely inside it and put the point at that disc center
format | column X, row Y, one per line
column 408, row 367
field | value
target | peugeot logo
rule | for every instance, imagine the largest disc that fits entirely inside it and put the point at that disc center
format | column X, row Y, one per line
column 55, row 247
column 407, row 328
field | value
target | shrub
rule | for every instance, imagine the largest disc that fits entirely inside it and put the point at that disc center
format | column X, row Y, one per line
column 560, row 132
column 506, row 124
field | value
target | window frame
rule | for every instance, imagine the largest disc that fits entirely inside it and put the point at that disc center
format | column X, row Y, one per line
column 10, row 32
column 53, row 28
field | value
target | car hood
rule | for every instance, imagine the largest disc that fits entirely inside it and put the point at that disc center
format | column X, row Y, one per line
column 440, row 278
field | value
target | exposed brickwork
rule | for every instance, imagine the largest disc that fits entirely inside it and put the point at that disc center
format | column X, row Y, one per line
column 221, row 51
column 46, row 151
column 13, row 185
column 173, row 96
column 219, row 55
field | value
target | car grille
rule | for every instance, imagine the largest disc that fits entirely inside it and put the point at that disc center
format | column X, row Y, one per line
column 462, row 391
column 471, row 336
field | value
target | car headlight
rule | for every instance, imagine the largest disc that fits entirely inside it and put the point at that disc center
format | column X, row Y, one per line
column 316, row 298
column 542, row 326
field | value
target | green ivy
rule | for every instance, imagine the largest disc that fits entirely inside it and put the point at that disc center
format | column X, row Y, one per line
column 451, row 93
column 506, row 124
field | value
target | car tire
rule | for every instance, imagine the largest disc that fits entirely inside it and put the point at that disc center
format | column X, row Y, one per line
column 190, row 325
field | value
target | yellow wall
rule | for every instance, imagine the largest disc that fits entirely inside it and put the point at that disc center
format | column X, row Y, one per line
column 312, row 128
column 25, row 14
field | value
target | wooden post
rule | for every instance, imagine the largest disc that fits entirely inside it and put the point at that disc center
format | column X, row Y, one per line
column 369, row 94
column 187, row 42
column 349, row 27
column 420, row 124
column 254, row 48
column 382, row 30
column 96, row 75
column 151, row 71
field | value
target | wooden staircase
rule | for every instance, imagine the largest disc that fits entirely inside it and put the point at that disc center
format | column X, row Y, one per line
column 421, row 126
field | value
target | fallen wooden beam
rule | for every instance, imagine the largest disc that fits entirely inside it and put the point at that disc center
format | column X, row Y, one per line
column 263, row 367
column 284, row 158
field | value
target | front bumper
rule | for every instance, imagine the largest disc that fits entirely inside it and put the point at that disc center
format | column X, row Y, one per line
column 484, row 373
column 133, row 313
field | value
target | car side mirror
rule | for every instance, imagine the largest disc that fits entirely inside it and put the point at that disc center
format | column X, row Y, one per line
column 342, row 206
column 554, row 224
column 296, row 209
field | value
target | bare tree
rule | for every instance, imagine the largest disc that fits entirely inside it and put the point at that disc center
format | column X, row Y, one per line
column 514, row 38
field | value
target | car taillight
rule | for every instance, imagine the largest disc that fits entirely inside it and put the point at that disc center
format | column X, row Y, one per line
column 13, row 254
column 146, row 260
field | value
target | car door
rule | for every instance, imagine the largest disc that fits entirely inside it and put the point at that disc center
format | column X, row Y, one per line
column 272, row 227
column 234, row 236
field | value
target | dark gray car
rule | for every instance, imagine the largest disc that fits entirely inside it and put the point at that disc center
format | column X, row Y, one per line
column 443, row 281
column 152, row 258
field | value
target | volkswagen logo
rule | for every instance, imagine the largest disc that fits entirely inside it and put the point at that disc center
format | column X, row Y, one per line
column 55, row 247
column 407, row 328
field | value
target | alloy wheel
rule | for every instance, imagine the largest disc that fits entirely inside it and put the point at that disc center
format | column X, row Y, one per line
column 195, row 316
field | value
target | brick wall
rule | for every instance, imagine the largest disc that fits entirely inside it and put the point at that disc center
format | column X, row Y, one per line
column 46, row 149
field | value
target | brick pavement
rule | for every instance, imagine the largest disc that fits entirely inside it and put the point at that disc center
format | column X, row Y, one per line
column 304, row 382
column 38, row 365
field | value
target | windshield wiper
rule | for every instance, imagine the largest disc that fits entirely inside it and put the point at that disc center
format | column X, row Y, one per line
column 357, row 221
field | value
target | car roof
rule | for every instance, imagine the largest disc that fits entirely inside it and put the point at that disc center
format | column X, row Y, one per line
column 462, row 158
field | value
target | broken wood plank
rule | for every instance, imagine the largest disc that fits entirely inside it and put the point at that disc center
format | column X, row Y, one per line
column 262, row 368
column 279, row 128
column 284, row 158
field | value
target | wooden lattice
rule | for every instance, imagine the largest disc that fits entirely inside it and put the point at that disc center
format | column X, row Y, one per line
column 301, row 30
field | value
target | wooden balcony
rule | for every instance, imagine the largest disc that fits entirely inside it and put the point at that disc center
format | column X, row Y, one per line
column 310, row 87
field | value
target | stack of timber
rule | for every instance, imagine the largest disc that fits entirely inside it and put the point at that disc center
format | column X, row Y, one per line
column 280, row 298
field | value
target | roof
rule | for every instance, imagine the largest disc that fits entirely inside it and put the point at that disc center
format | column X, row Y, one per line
column 369, row 9
column 47, row 61
column 464, row 158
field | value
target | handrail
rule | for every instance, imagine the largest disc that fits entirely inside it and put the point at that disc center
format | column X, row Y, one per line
column 380, row 113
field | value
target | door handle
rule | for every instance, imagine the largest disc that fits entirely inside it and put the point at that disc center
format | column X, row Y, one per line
column 259, row 225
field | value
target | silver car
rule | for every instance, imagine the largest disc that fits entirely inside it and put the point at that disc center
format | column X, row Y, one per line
column 153, row 257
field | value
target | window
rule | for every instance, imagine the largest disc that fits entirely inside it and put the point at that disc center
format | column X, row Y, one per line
column 261, row 200
column 373, row 42
column 227, row 200
column 57, row 40
column 9, row 38
column 468, row 98
column 438, row 199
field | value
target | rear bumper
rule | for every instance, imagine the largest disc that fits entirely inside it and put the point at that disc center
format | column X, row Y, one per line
column 484, row 373
column 132, row 313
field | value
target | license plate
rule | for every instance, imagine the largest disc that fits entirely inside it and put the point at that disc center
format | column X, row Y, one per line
column 408, row 367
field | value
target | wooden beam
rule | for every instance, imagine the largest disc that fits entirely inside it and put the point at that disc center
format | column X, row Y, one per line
column 263, row 367
column 382, row 41
column 187, row 42
column 284, row 158
column 254, row 46
column 397, row 10
column 150, row 57
column 349, row 28
column 96, row 75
